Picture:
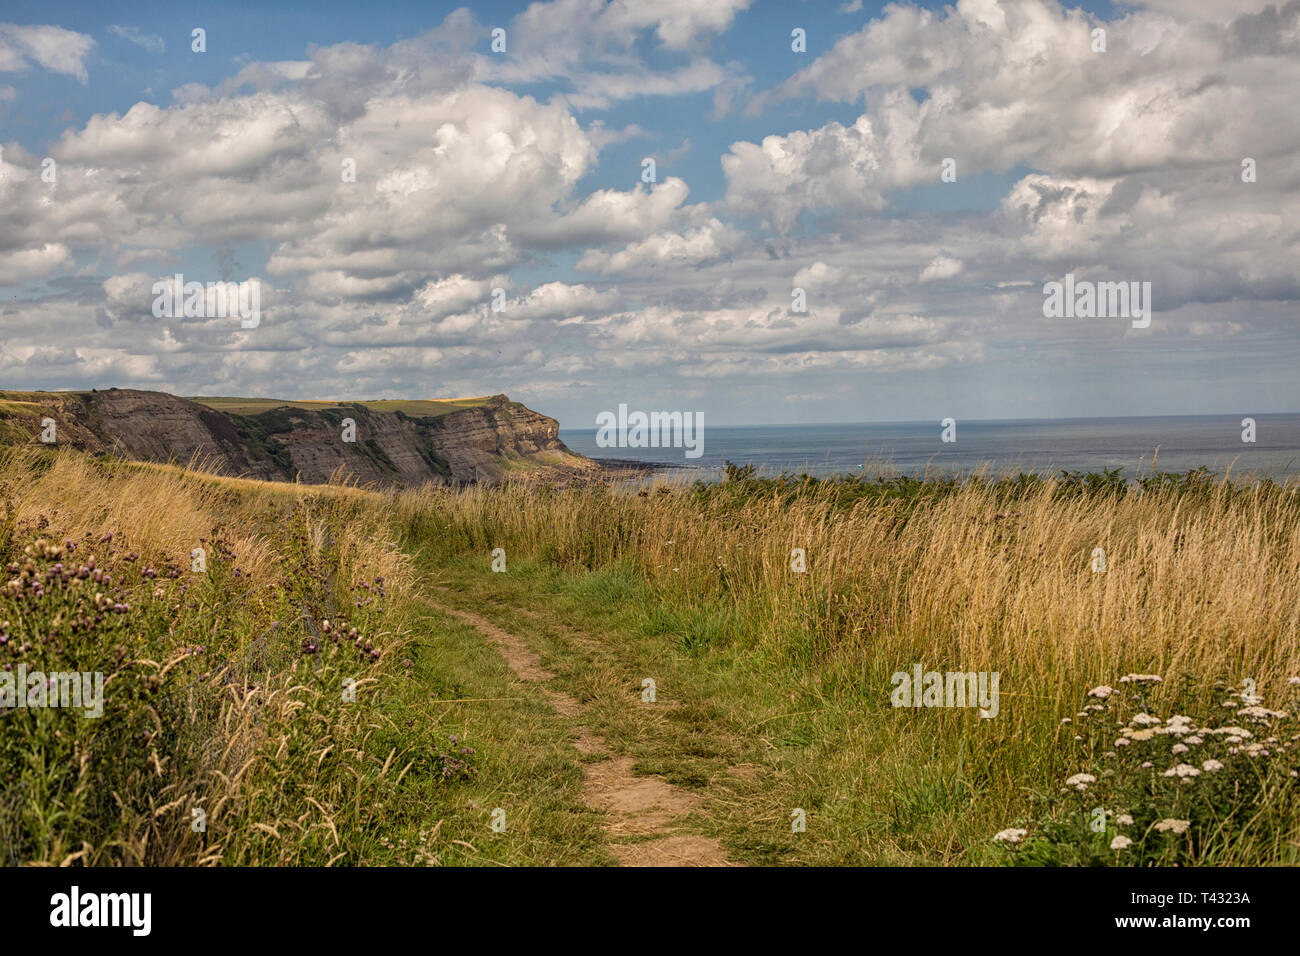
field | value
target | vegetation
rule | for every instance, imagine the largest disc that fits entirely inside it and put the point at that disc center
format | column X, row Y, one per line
column 225, row 688
column 414, row 408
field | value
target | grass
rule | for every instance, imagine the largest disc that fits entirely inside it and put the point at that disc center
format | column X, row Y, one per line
column 417, row 408
column 791, row 673
column 773, row 685
column 214, row 702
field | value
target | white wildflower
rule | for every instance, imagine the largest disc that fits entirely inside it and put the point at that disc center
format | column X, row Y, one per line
column 1080, row 781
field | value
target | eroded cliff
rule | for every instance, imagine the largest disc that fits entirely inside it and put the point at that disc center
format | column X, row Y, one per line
column 478, row 441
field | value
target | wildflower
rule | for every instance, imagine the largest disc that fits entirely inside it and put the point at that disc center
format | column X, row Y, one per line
column 1145, row 720
column 1010, row 835
column 1121, row 842
column 1261, row 714
column 1231, row 731
column 1124, row 820
column 1080, row 781
column 1103, row 691
column 1147, row 765
column 1210, row 766
column 1293, row 681
column 1122, row 742
column 1180, row 748
column 1170, row 825
column 1179, row 724
column 1182, row 770
column 1193, row 740
column 1066, row 720
column 1140, row 679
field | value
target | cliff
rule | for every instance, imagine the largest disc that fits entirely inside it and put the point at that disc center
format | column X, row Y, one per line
column 386, row 443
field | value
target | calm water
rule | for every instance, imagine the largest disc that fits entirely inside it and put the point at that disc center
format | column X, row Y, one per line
column 1080, row 444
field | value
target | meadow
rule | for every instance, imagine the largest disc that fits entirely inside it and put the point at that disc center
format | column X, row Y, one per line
column 313, row 694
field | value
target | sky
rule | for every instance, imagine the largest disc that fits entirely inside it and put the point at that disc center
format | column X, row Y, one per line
column 858, row 230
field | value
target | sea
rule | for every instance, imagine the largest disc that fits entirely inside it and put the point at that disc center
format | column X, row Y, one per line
column 1136, row 446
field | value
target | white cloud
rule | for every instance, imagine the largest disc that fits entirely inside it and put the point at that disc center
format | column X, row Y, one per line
column 149, row 41
column 672, row 250
column 941, row 267
column 54, row 48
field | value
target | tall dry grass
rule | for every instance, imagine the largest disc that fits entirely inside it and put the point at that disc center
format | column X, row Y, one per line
column 211, row 703
column 1203, row 582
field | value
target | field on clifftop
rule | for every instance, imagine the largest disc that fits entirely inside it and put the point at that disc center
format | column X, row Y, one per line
column 688, row 673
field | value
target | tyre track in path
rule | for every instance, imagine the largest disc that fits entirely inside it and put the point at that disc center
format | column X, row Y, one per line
column 642, row 814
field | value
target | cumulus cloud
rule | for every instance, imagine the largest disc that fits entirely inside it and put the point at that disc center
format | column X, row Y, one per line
column 671, row 250
column 53, row 48
column 940, row 267
column 386, row 191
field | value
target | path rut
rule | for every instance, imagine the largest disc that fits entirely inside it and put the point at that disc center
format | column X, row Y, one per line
column 648, row 809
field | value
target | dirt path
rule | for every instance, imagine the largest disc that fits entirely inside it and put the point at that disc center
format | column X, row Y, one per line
column 646, row 809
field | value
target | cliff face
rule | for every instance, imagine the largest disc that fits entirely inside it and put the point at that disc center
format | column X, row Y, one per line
column 478, row 443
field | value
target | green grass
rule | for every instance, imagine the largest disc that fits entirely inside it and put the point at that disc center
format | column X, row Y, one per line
column 461, row 686
column 761, row 720
column 772, row 688
column 756, row 737
column 212, row 700
column 416, row 408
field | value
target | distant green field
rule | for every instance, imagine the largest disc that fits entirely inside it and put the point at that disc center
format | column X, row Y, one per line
column 416, row 408
column 10, row 396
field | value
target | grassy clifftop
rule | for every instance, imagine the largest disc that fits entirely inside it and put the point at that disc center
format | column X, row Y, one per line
column 415, row 408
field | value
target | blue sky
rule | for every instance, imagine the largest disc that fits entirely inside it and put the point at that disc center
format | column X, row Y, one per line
column 775, row 169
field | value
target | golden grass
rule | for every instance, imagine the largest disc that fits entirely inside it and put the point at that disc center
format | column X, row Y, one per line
column 1206, row 585
column 222, row 735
